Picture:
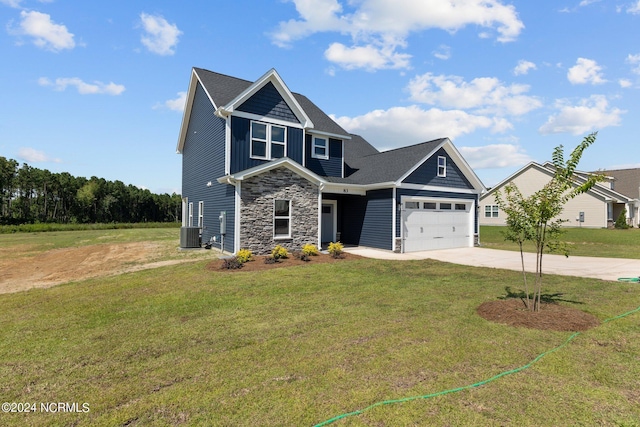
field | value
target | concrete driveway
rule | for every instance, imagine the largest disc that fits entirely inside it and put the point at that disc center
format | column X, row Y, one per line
column 598, row 268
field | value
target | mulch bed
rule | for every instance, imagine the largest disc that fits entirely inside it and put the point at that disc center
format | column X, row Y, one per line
column 554, row 317
column 258, row 264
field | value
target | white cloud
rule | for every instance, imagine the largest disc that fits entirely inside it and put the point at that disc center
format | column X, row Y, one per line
column 46, row 34
column 160, row 37
column 625, row 83
column 634, row 60
column 11, row 3
column 590, row 114
column 402, row 126
column 634, row 8
column 386, row 24
column 83, row 88
column 585, row 71
column 524, row 67
column 443, row 52
column 587, row 2
column 176, row 104
column 495, row 156
column 35, row 156
column 486, row 95
column 368, row 57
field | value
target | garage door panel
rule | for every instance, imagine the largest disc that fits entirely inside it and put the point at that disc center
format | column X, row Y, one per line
column 425, row 229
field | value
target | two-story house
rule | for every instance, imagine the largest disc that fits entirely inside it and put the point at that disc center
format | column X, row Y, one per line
column 263, row 166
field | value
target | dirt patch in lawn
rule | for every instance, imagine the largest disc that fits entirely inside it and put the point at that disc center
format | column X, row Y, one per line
column 57, row 266
column 551, row 316
column 258, row 263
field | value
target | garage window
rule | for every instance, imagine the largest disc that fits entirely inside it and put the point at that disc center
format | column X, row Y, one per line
column 461, row 207
column 445, row 206
column 412, row 205
column 430, row 205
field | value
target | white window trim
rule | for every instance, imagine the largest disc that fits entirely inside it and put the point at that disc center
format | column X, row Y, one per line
column 190, row 214
column 326, row 148
column 442, row 174
column 201, row 214
column 268, row 142
column 288, row 218
column 185, row 201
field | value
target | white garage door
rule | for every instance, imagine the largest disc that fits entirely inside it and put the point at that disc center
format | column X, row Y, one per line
column 436, row 224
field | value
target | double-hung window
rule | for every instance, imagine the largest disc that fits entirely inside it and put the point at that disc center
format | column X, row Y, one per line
column 320, row 148
column 442, row 166
column 268, row 141
column 282, row 219
column 201, row 214
column 491, row 211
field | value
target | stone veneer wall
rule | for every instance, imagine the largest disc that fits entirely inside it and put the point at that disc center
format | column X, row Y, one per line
column 256, row 211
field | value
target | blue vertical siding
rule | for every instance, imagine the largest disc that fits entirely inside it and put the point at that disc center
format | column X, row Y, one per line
column 203, row 159
column 330, row 167
column 439, row 194
column 241, row 145
column 267, row 102
column 427, row 173
column 295, row 144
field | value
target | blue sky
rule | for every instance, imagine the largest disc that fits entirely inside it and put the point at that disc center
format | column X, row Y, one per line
column 97, row 88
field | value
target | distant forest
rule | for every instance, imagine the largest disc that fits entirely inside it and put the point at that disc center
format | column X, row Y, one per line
column 30, row 195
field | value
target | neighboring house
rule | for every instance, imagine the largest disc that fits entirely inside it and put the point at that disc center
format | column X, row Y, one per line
column 597, row 208
column 263, row 166
column 627, row 182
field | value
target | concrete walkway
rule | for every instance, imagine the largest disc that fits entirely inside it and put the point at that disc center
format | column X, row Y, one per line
column 598, row 268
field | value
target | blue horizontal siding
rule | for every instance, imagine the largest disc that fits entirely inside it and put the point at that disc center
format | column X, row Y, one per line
column 203, row 159
column 427, row 173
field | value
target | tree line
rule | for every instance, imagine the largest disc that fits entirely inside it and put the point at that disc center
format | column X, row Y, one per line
column 30, row 195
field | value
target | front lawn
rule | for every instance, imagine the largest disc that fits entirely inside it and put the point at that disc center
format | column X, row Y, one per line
column 298, row 346
column 597, row 242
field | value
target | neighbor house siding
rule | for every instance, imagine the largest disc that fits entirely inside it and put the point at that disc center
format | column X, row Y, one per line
column 267, row 102
column 203, row 159
column 427, row 173
column 325, row 167
column 533, row 179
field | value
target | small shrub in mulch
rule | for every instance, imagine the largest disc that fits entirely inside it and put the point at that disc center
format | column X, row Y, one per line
column 231, row 264
column 262, row 262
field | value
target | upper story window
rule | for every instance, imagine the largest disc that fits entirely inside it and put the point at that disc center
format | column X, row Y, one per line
column 320, row 148
column 442, row 166
column 268, row 141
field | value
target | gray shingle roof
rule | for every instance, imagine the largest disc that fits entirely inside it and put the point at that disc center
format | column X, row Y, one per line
column 627, row 181
column 388, row 166
column 223, row 89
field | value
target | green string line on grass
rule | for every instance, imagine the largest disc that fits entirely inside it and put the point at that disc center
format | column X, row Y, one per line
column 478, row 384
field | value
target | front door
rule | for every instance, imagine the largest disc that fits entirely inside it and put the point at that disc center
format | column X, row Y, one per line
column 328, row 219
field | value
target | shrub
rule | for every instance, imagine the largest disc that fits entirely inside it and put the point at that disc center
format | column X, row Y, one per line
column 279, row 252
column 231, row 264
column 270, row 260
column 244, row 255
column 621, row 222
column 335, row 249
column 310, row 250
column 302, row 256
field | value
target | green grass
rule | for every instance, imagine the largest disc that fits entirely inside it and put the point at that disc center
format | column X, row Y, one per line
column 596, row 242
column 292, row 347
column 46, row 227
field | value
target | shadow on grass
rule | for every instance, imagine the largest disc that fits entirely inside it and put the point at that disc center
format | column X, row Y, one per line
column 544, row 298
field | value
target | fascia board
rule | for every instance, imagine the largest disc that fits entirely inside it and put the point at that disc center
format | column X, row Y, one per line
column 273, row 77
column 284, row 162
column 328, row 134
column 417, row 165
column 514, row 175
column 188, row 106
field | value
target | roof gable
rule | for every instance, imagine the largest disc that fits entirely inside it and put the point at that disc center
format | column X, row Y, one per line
column 268, row 102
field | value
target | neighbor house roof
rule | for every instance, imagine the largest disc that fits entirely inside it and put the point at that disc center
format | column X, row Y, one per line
column 626, row 181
